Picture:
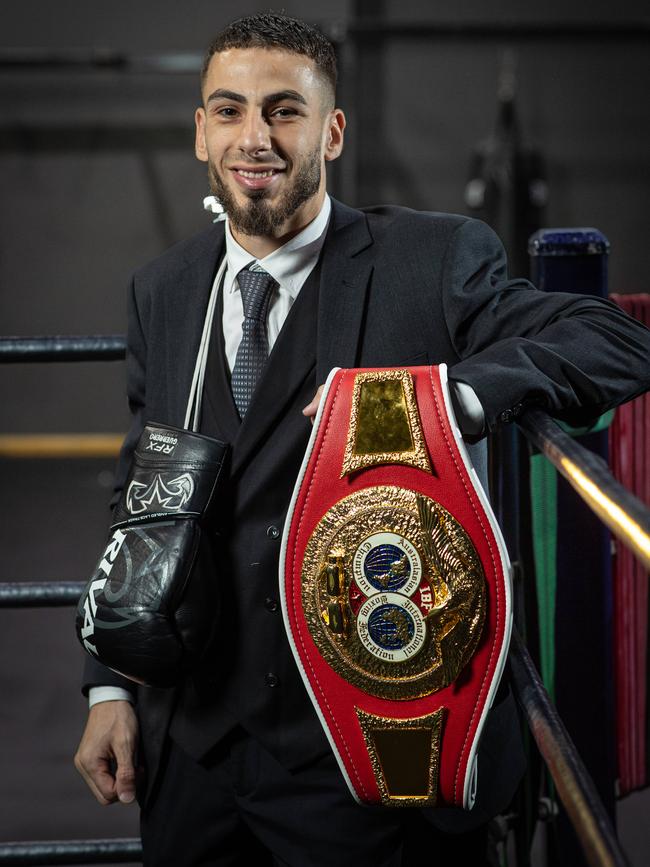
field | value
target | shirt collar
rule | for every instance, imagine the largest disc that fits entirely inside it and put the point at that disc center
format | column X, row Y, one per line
column 286, row 264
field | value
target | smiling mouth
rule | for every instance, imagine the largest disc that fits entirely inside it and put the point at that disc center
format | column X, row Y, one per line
column 267, row 173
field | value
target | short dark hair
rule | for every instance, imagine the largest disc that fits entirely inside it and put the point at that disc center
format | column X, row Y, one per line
column 270, row 30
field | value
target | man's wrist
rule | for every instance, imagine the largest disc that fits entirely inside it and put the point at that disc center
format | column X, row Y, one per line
column 97, row 694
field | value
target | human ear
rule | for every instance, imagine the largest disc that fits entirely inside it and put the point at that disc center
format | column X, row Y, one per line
column 334, row 134
column 200, row 147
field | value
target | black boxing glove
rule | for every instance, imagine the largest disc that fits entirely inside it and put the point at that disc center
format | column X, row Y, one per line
column 151, row 606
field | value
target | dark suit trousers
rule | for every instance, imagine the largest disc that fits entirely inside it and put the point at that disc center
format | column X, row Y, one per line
column 240, row 807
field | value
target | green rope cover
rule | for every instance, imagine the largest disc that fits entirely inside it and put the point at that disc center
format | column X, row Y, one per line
column 543, row 493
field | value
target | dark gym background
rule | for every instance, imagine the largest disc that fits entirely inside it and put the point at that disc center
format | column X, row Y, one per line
column 98, row 175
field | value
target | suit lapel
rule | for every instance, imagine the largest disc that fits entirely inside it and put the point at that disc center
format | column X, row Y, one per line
column 345, row 278
column 185, row 318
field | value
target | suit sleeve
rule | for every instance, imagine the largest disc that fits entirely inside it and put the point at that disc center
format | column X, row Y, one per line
column 575, row 356
column 96, row 674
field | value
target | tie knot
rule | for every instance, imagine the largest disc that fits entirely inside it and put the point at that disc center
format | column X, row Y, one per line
column 255, row 288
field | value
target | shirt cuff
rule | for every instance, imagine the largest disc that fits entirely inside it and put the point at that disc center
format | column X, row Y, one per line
column 468, row 409
column 97, row 694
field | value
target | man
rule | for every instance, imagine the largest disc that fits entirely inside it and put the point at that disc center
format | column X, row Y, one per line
column 237, row 765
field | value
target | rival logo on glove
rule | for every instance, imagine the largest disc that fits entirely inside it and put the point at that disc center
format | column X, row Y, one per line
column 170, row 496
column 97, row 585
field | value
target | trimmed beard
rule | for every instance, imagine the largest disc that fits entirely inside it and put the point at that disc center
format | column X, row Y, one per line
column 259, row 216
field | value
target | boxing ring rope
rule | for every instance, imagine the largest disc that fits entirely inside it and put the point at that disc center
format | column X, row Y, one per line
column 87, row 445
column 40, row 594
column 572, row 781
column 623, row 513
column 58, row 348
column 120, row 850
column 93, row 347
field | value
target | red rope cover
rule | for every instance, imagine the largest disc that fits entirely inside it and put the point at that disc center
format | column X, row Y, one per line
column 630, row 462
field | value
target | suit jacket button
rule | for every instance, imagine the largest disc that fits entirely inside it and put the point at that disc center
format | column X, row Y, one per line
column 506, row 416
column 272, row 532
column 271, row 679
column 271, row 604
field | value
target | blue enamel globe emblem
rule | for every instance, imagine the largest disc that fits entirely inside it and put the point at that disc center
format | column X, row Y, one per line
column 387, row 563
column 387, row 567
column 391, row 627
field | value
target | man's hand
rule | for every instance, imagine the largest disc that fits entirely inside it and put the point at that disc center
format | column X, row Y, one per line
column 106, row 754
column 312, row 408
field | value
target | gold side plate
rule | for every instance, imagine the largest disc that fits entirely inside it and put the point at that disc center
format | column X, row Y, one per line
column 394, row 592
column 385, row 425
column 405, row 757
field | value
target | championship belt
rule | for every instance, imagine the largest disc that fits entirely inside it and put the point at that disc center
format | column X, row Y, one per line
column 395, row 587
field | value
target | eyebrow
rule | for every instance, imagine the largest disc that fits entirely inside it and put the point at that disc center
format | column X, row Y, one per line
column 285, row 94
column 220, row 93
column 271, row 98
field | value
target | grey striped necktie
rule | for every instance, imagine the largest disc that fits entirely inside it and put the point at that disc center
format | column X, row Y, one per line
column 253, row 351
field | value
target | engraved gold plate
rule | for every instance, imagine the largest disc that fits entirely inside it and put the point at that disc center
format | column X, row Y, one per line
column 405, row 756
column 385, row 425
column 393, row 592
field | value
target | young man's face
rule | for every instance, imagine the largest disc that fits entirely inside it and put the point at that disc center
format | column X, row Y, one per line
column 266, row 130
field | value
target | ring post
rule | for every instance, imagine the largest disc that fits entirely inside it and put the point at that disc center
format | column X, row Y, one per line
column 573, row 554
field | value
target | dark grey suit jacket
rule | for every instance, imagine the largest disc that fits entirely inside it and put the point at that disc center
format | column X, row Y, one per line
column 393, row 287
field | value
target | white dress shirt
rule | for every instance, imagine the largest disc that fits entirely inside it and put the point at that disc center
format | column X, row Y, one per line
column 289, row 265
